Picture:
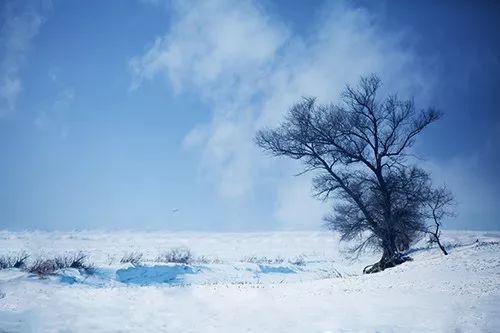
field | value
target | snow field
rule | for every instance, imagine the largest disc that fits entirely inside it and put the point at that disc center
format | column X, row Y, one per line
column 241, row 292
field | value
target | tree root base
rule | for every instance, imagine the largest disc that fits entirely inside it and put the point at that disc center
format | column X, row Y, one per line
column 386, row 263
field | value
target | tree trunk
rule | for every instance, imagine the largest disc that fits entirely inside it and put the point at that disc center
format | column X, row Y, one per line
column 441, row 246
column 386, row 262
column 390, row 258
column 436, row 233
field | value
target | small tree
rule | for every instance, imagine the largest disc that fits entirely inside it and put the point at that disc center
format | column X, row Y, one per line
column 439, row 203
column 358, row 151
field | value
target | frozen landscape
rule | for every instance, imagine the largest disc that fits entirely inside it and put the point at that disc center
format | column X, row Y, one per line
column 248, row 282
column 373, row 125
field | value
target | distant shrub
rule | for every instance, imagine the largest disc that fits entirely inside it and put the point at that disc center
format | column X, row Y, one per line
column 298, row 261
column 486, row 243
column 43, row 267
column 5, row 262
column 76, row 261
column 110, row 259
column 180, row 255
column 13, row 261
column 208, row 260
column 134, row 258
column 264, row 260
column 20, row 262
column 71, row 261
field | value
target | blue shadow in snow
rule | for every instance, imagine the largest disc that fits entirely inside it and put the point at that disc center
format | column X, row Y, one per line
column 144, row 275
column 67, row 279
column 276, row 269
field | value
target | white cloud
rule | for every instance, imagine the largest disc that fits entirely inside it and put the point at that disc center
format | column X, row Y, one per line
column 249, row 68
column 214, row 46
column 9, row 89
column 295, row 207
column 54, row 118
column 20, row 24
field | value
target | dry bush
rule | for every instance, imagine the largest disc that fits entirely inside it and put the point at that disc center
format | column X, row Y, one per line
column 208, row 260
column 298, row 261
column 13, row 261
column 79, row 261
column 43, row 267
column 264, row 260
column 76, row 261
column 180, row 255
column 133, row 257
column 71, row 261
column 4, row 262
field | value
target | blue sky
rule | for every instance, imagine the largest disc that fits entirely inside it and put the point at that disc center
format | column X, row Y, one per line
column 141, row 114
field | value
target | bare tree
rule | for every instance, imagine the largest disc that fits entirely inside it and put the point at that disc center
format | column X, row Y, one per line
column 359, row 153
column 439, row 203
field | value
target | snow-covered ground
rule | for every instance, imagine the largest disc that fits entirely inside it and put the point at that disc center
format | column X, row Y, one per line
column 249, row 282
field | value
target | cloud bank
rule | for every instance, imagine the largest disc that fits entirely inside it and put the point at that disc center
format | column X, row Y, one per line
column 249, row 67
column 20, row 23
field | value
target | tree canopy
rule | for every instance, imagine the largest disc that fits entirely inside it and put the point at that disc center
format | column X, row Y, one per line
column 359, row 153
